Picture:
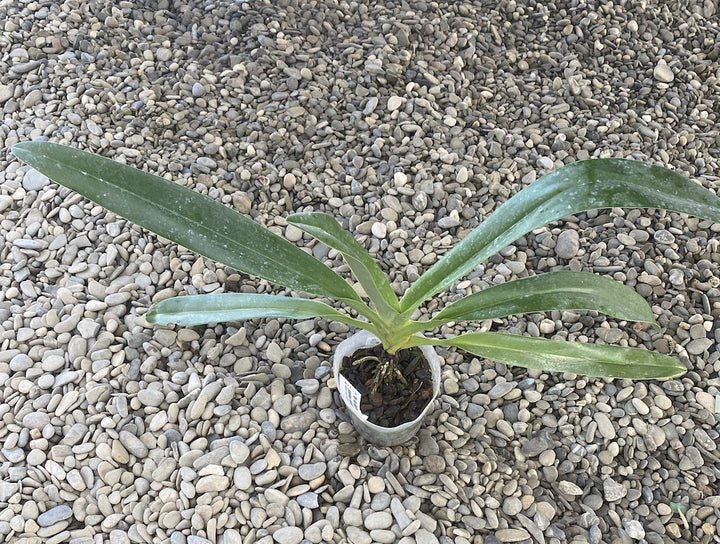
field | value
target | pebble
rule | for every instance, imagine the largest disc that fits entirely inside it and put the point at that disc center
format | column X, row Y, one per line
column 375, row 484
column 634, row 529
column 311, row 471
column 288, row 535
column 511, row 535
column 434, row 464
column 34, row 180
column 394, row 103
column 568, row 244
column 613, row 491
column 605, row 426
column 535, row 446
column 501, row 389
column 662, row 72
column 378, row 520
column 6, row 93
column 299, row 422
column 133, row 444
column 54, row 515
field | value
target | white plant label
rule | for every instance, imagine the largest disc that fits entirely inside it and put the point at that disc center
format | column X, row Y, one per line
column 351, row 396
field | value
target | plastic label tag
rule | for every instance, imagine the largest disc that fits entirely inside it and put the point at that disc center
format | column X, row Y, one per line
column 351, row 396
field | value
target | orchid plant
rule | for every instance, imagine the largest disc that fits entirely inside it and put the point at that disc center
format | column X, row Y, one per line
column 219, row 233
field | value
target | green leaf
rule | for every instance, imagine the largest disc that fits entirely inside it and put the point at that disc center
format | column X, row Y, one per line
column 325, row 228
column 580, row 186
column 185, row 217
column 558, row 356
column 561, row 290
column 203, row 309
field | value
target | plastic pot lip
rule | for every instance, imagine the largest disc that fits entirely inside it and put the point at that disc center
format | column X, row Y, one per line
column 367, row 339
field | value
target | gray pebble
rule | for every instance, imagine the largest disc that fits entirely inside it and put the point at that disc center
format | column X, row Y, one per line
column 434, row 464
column 55, row 515
column 34, row 180
column 20, row 363
column 378, row 520
column 535, row 446
column 308, row 500
column 311, row 471
column 423, row 536
column 613, row 490
column 198, row 89
column 133, row 444
column 634, row 529
column 568, row 244
column 501, row 389
column 299, row 422
column 6, row 93
column 605, row 426
column 663, row 73
column 288, row 535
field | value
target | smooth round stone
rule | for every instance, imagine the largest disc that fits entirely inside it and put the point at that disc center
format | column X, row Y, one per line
column 605, row 426
column 379, row 502
column 383, row 536
column 535, row 446
column 35, row 457
column 568, row 244
column 512, row 506
column 242, row 478
column 212, row 483
column 274, row 353
column 198, row 89
column 35, row 420
column 352, row 517
column 151, row 397
column 435, row 464
column 299, row 422
column 54, row 515
column 663, row 73
column 501, row 389
column 21, row 362
column 288, row 535
column 52, row 363
column 663, row 236
column 378, row 520
column 34, row 180
column 308, row 387
column 394, row 103
column 308, row 500
column 239, row 451
column 375, row 484
column 133, row 444
column 511, row 535
column 358, row 536
column 309, row 472
column 634, row 529
column 569, row 488
column 379, row 230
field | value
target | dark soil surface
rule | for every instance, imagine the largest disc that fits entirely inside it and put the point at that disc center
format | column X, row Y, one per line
column 394, row 400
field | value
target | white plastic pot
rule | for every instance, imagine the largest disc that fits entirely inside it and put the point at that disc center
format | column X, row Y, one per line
column 381, row 436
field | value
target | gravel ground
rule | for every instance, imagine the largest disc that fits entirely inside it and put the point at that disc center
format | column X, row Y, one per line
column 410, row 121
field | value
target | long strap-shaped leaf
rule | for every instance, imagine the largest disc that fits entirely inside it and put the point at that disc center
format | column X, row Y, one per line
column 217, row 308
column 325, row 228
column 558, row 356
column 580, row 186
column 186, row 217
column 561, row 290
